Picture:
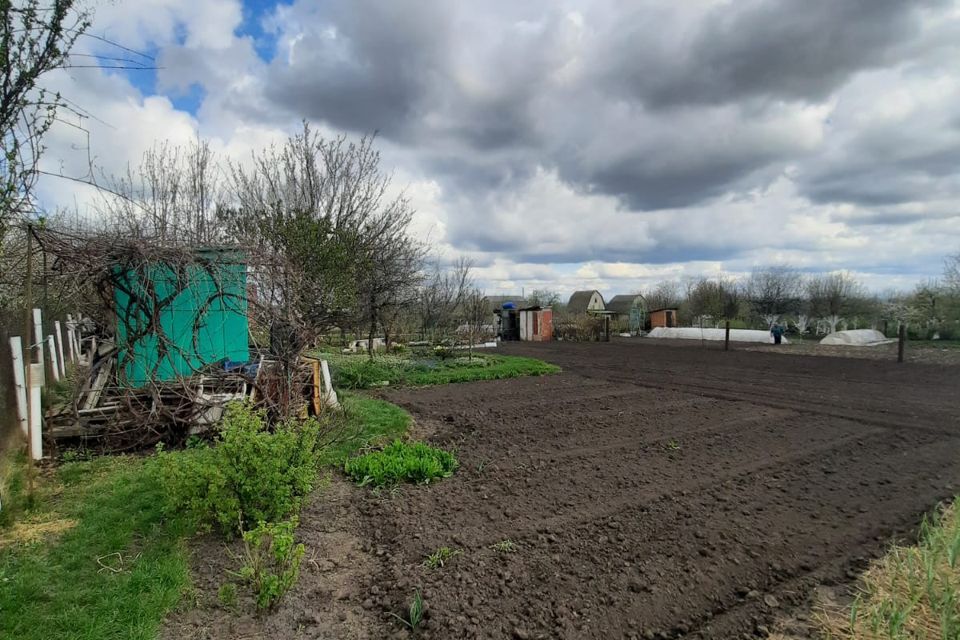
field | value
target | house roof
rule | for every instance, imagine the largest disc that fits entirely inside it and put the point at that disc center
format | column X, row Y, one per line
column 623, row 303
column 497, row 302
column 580, row 300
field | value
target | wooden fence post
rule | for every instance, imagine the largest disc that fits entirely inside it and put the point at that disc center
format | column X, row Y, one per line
column 726, row 336
column 903, row 339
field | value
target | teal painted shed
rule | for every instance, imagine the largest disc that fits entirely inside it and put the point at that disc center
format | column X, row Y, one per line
column 174, row 319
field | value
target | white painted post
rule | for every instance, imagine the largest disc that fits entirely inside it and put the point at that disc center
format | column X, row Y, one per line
column 73, row 354
column 331, row 394
column 59, row 336
column 36, row 412
column 54, row 364
column 16, row 350
column 38, row 345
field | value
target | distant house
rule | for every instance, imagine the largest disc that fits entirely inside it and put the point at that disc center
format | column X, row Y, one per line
column 630, row 309
column 585, row 302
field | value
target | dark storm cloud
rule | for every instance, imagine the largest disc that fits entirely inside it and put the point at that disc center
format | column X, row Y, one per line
column 363, row 65
column 662, row 105
column 786, row 49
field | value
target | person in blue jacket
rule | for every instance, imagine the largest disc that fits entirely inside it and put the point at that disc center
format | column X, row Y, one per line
column 777, row 332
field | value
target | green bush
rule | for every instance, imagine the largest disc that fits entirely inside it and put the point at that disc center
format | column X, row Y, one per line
column 401, row 462
column 361, row 373
column 271, row 560
column 250, row 475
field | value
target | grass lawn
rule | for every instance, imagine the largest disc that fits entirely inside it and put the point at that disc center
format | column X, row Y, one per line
column 912, row 592
column 360, row 372
column 96, row 559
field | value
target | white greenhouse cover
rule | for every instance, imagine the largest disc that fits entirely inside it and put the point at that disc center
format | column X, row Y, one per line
column 694, row 333
column 857, row 338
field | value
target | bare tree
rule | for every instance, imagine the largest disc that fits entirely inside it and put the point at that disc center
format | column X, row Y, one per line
column 544, row 298
column 713, row 300
column 324, row 205
column 774, row 291
column 476, row 315
column 35, row 38
column 951, row 273
column 172, row 196
column 833, row 296
column 441, row 297
column 665, row 294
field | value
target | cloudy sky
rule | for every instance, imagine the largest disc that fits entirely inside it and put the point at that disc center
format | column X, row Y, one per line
column 575, row 144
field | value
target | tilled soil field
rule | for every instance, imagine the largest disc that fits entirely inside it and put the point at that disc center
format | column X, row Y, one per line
column 648, row 492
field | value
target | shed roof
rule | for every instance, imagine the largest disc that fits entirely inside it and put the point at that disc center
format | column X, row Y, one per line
column 580, row 301
column 497, row 302
column 623, row 303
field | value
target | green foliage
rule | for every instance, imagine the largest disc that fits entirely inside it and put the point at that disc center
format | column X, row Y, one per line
column 912, row 592
column 440, row 557
column 227, row 594
column 504, row 546
column 13, row 480
column 360, row 372
column 401, row 462
column 368, row 421
column 414, row 613
column 251, row 475
column 107, row 509
column 271, row 560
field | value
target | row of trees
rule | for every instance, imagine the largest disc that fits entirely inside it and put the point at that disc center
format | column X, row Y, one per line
column 819, row 303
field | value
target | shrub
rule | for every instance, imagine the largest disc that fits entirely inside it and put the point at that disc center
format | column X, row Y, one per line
column 250, row 475
column 357, row 373
column 401, row 462
column 271, row 560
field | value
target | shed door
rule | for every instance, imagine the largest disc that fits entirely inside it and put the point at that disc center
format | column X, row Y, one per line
column 536, row 324
column 669, row 318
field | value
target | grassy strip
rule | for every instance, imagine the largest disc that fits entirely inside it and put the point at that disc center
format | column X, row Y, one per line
column 113, row 570
column 97, row 559
column 912, row 592
column 360, row 372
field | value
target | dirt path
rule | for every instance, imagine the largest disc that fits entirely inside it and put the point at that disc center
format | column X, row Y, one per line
column 648, row 492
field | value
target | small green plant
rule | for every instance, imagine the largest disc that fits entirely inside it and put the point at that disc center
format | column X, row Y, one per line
column 401, row 462
column 440, row 557
column 271, row 560
column 227, row 594
column 673, row 445
column 195, row 442
column 414, row 613
column 251, row 475
column 504, row 546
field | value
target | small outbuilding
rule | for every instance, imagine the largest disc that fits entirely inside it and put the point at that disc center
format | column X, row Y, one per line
column 582, row 302
column 663, row 318
column 536, row 324
column 630, row 308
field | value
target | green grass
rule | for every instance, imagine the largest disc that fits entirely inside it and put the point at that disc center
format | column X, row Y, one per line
column 51, row 584
column 401, row 462
column 912, row 592
column 370, row 421
column 439, row 558
column 113, row 570
column 360, row 372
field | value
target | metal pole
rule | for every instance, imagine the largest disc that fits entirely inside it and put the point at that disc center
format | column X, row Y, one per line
column 726, row 337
